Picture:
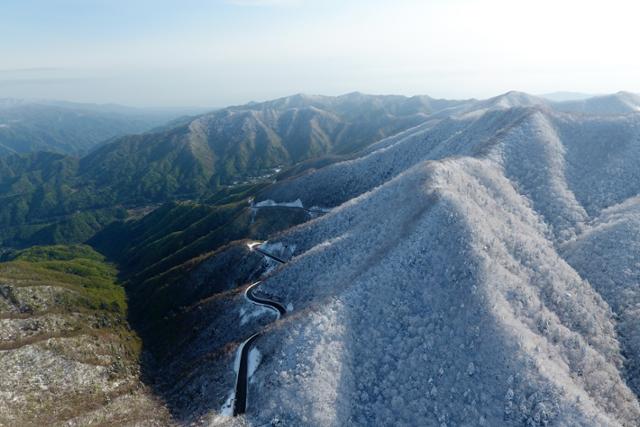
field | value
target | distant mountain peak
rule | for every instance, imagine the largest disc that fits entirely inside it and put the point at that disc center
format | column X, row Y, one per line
column 621, row 102
column 516, row 98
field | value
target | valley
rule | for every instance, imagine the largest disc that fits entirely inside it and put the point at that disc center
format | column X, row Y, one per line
column 293, row 213
column 453, row 266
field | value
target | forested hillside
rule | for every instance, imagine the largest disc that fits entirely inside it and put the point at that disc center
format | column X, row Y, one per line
column 509, row 206
column 52, row 198
column 69, row 128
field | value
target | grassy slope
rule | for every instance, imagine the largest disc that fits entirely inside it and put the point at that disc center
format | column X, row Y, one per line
column 80, row 268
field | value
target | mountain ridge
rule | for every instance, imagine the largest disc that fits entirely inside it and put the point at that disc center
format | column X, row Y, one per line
column 197, row 157
column 503, row 265
column 69, row 128
column 477, row 267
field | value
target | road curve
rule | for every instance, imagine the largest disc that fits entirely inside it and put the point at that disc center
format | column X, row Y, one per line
column 242, row 378
column 280, row 310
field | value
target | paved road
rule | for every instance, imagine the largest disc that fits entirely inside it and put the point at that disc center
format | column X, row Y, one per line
column 281, row 311
column 240, row 400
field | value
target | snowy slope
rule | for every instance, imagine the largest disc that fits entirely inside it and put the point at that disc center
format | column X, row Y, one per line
column 608, row 255
column 618, row 103
column 480, row 269
column 507, row 100
column 341, row 182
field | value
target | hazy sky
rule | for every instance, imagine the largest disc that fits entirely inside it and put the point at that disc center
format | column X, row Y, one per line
column 219, row 52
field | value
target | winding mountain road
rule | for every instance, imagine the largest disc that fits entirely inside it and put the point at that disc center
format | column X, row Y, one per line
column 263, row 301
column 240, row 397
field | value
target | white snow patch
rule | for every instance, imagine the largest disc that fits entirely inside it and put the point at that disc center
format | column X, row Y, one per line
column 254, row 244
column 227, row 408
column 236, row 361
column 247, row 315
column 270, row 203
column 272, row 248
column 255, row 357
column 279, row 249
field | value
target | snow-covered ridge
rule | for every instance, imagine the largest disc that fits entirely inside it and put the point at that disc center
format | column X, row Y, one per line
column 618, row 103
column 481, row 270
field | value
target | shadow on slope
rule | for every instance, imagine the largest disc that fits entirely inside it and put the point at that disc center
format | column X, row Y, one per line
column 183, row 265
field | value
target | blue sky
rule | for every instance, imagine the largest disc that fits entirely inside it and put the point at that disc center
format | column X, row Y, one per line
column 219, row 52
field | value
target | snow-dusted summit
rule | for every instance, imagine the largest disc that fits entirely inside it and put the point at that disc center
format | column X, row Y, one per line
column 618, row 103
column 480, row 269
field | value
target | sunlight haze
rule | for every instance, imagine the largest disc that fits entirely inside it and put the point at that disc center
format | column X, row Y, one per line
column 215, row 53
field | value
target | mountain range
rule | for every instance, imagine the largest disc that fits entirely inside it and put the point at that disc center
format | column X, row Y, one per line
column 466, row 273
column 437, row 263
column 71, row 128
column 54, row 198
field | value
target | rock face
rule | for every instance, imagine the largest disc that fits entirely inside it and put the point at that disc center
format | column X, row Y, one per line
column 67, row 355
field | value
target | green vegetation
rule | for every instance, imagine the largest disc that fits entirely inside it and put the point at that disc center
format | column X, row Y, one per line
column 171, row 235
column 201, row 174
column 89, row 283
column 58, row 253
column 76, row 267
column 154, row 251
column 42, row 200
column 234, row 193
column 64, row 308
column 218, row 158
column 68, row 128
